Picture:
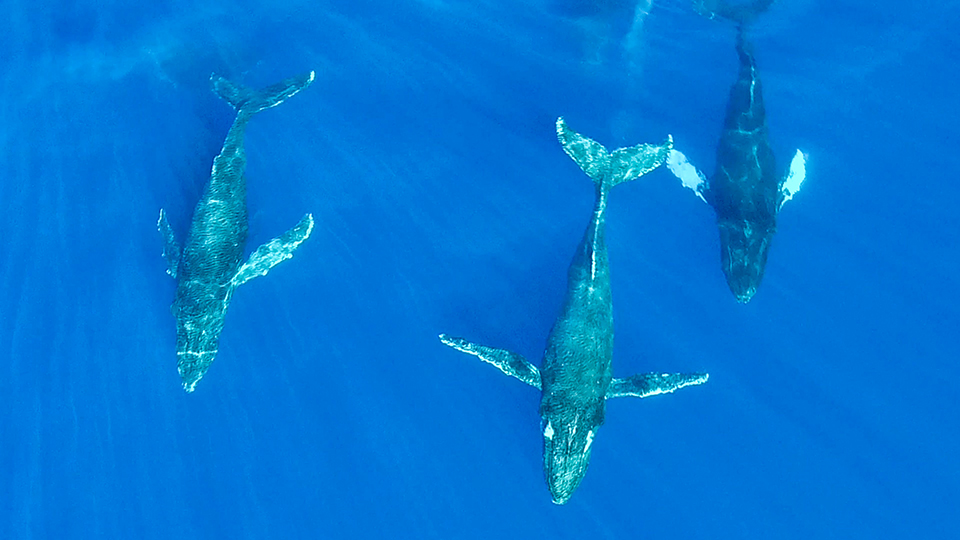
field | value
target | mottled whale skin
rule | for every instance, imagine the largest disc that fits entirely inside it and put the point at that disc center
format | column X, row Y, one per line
column 746, row 192
column 208, row 269
column 575, row 377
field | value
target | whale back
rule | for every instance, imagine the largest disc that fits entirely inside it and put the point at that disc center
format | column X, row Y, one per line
column 745, row 185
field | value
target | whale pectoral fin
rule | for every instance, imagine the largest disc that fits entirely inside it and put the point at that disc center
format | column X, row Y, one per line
column 795, row 176
column 689, row 175
column 274, row 252
column 508, row 362
column 171, row 249
column 651, row 384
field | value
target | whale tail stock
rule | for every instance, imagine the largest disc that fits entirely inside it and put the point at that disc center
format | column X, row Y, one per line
column 608, row 169
column 741, row 13
column 249, row 101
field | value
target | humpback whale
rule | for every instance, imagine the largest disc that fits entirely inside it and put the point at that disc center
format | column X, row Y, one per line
column 208, row 268
column 745, row 191
column 575, row 377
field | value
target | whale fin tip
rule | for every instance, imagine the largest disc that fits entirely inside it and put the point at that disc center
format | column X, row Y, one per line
column 171, row 249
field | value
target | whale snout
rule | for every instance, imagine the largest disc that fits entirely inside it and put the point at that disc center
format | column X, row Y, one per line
column 743, row 284
column 744, row 247
column 197, row 344
column 199, row 309
column 193, row 366
column 562, row 489
column 566, row 454
column 564, row 470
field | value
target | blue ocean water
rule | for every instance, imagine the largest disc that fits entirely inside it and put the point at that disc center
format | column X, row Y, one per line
column 426, row 151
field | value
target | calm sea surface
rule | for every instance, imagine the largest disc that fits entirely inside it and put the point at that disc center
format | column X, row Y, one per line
column 426, row 151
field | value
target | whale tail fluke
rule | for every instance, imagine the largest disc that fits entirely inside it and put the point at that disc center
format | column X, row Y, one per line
column 249, row 101
column 739, row 12
column 608, row 169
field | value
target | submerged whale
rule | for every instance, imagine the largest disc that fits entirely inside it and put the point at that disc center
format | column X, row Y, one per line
column 745, row 191
column 208, row 269
column 575, row 377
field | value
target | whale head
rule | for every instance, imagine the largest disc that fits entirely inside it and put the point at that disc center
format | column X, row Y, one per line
column 199, row 323
column 568, row 435
column 196, row 350
column 743, row 252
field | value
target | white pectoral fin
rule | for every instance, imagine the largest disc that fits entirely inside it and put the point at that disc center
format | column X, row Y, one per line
column 508, row 362
column 652, row 384
column 171, row 249
column 274, row 252
column 687, row 173
column 796, row 175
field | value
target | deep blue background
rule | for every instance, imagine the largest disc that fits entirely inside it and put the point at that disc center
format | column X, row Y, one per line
column 426, row 150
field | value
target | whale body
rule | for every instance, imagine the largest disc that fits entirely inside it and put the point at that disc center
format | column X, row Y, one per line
column 575, row 377
column 746, row 192
column 210, row 265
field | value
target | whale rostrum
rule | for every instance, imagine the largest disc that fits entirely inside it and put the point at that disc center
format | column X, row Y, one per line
column 209, row 267
column 745, row 191
column 575, row 377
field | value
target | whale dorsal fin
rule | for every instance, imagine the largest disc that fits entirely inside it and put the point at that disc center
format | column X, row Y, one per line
column 274, row 252
column 508, row 362
column 606, row 168
column 795, row 176
column 171, row 249
column 651, row 384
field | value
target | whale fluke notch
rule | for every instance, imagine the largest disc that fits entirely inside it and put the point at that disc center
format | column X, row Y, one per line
column 249, row 101
column 171, row 249
column 611, row 168
column 508, row 362
column 652, row 384
column 274, row 252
